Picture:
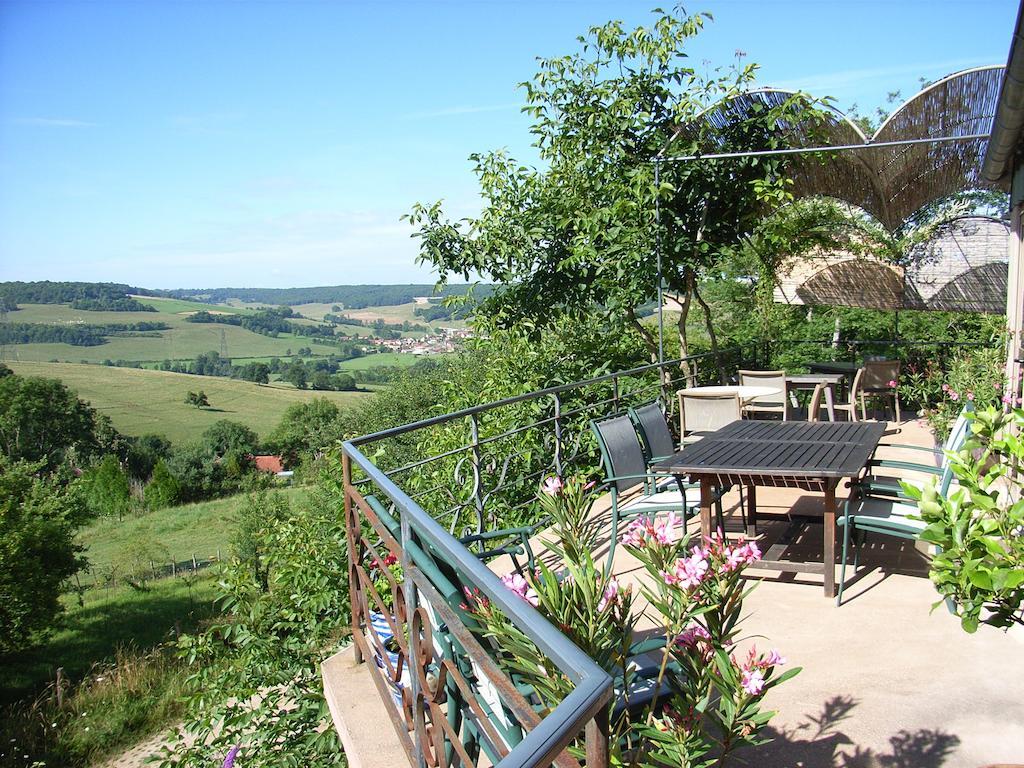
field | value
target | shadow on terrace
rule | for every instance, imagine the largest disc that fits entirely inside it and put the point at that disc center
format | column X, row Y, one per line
column 445, row 506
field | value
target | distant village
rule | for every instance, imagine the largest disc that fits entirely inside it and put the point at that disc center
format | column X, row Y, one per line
column 445, row 340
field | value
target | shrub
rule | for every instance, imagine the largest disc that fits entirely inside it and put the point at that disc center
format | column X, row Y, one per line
column 38, row 521
column 979, row 527
column 163, row 488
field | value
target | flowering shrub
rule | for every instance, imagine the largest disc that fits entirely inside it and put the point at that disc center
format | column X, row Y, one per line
column 707, row 696
column 979, row 527
column 972, row 375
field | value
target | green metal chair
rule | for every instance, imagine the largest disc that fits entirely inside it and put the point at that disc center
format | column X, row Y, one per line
column 881, row 506
column 626, row 469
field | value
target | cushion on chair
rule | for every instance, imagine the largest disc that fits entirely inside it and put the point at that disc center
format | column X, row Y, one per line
column 661, row 499
column 883, row 512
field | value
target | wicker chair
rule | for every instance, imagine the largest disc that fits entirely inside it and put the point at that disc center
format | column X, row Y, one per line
column 700, row 413
column 769, row 404
column 876, row 383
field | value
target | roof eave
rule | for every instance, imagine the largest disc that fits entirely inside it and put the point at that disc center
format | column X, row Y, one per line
column 1008, row 124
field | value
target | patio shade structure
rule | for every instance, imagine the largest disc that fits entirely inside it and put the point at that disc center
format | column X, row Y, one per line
column 930, row 148
column 962, row 268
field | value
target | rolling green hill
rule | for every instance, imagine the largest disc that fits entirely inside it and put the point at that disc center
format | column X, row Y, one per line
column 141, row 401
column 184, row 340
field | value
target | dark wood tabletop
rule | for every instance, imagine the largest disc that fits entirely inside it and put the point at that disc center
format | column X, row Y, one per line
column 783, row 448
column 790, row 454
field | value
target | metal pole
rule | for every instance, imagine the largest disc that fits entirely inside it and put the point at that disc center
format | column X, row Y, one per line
column 802, row 150
column 657, row 253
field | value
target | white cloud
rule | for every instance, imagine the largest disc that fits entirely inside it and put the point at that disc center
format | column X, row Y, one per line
column 53, row 122
column 459, row 110
column 835, row 83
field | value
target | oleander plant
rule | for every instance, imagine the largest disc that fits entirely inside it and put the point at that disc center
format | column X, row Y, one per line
column 706, row 701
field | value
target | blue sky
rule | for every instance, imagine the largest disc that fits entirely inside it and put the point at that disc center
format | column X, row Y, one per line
column 202, row 144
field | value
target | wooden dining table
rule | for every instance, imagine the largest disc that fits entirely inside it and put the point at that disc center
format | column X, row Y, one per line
column 781, row 454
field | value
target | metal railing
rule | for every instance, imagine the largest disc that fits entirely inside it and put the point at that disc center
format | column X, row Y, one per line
column 408, row 490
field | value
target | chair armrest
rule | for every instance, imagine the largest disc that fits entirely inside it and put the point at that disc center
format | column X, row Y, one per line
column 920, row 448
column 648, row 476
column 907, row 465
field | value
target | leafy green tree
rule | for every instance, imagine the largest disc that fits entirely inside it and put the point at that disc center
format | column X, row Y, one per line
column 226, row 436
column 42, row 420
column 306, row 428
column 296, row 375
column 144, row 452
column 198, row 399
column 38, row 520
column 163, row 488
column 343, row 382
column 578, row 236
column 200, row 475
column 107, row 489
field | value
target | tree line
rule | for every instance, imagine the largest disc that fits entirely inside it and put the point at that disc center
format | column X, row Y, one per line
column 113, row 297
column 346, row 296
column 79, row 335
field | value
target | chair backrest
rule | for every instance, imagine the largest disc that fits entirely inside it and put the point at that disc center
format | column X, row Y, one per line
column 621, row 453
column 815, row 406
column 958, row 433
column 702, row 412
column 957, row 437
column 878, row 374
column 652, row 427
column 776, row 379
column 858, row 380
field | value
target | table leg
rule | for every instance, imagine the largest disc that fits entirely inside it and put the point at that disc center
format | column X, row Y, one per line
column 829, row 403
column 706, row 500
column 751, row 511
column 829, row 550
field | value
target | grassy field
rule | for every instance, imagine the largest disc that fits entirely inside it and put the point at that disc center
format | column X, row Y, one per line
column 191, row 529
column 397, row 359
column 140, row 401
column 107, row 620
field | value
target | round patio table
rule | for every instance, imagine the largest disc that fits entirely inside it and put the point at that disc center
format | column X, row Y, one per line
column 744, row 393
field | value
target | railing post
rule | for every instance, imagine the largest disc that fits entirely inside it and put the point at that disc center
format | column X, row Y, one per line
column 597, row 740
column 478, row 502
column 558, row 434
column 615, row 393
column 355, row 593
column 409, row 593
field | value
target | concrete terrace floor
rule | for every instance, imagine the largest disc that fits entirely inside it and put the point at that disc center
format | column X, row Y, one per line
column 886, row 682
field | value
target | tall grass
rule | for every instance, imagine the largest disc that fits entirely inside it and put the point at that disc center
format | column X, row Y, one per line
column 117, row 704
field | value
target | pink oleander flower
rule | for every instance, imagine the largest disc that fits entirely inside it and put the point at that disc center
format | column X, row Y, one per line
column 688, row 571
column 589, row 485
column 773, row 659
column 690, row 636
column 752, row 681
column 521, row 587
column 229, row 760
column 970, row 396
column 553, row 486
column 954, row 395
column 1007, row 400
column 611, row 594
column 945, row 387
column 644, row 530
column 892, row 383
